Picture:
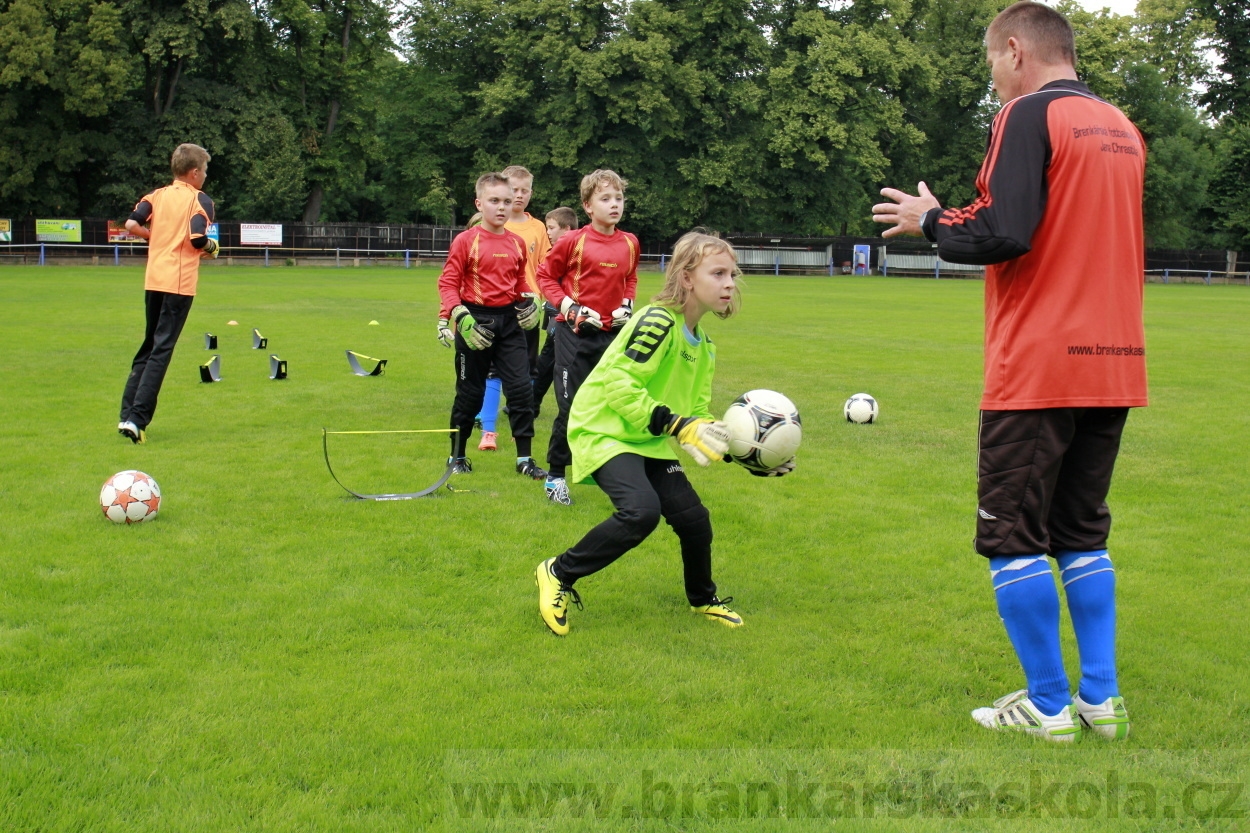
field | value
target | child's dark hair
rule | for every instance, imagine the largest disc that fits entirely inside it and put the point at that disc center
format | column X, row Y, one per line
column 564, row 216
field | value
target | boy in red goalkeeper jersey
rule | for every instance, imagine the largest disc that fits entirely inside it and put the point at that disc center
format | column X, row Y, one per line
column 590, row 276
column 484, row 315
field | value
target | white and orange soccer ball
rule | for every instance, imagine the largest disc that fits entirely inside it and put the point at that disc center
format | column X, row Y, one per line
column 130, row 497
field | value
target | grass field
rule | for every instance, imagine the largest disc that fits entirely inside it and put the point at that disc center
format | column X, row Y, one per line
column 270, row 654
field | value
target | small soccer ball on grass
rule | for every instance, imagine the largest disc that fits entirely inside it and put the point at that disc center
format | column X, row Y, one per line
column 765, row 430
column 861, row 409
column 130, row 497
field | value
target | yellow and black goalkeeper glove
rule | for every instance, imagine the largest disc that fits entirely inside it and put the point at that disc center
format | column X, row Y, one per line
column 703, row 439
column 211, row 248
column 476, row 337
column 527, row 312
column 780, row 470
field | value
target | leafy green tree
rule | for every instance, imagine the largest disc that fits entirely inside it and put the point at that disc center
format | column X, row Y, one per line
column 64, row 65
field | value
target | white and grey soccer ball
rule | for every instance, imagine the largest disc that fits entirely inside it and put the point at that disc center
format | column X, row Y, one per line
column 765, row 429
column 130, row 497
column 861, row 409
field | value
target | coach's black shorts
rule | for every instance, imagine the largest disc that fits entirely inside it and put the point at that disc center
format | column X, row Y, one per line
column 1043, row 478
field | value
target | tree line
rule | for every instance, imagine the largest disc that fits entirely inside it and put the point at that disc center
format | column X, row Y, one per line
column 781, row 116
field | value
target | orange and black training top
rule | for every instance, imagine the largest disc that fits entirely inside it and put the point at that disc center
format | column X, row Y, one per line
column 178, row 216
column 1058, row 221
column 483, row 268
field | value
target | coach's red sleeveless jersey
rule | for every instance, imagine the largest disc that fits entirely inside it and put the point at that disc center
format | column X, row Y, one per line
column 483, row 268
column 1058, row 218
column 595, row 270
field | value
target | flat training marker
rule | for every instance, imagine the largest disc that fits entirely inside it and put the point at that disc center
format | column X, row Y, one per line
column 210, row 371
column 277, row 367
column 325, row 450
column 373, row 324
column 210, row 341
column 259, row 342
column 360, row 362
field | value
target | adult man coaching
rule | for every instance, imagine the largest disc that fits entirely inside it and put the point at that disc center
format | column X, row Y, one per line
column 1058, row 220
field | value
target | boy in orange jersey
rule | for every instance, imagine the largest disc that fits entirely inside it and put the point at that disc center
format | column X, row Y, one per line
column 483, row 290
column 174, row 220
column 559, row 221
column 534, row 233
column 591, row 277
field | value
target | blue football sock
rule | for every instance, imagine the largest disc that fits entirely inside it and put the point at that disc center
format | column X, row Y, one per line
column 1089, row 583
column 489, row 414
column 1029, row 605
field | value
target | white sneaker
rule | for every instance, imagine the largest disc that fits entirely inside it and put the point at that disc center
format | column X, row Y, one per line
column 1015, row 712
column 132, row 432
column 1108, row 718
column 557, row 489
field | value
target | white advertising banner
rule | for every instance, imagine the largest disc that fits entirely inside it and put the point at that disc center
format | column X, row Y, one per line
column 260, row 234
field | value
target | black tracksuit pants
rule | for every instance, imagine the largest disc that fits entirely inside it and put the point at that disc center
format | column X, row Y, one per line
column 510, row 355
column 166, row 315
column 643, row 490
column 576, row 356
column 544, row 370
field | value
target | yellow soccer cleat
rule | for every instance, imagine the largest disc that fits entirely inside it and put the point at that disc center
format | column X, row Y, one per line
column 553, row 598
column 718, row 610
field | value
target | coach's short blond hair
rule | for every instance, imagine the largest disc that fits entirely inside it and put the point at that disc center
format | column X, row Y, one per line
column 187, row 158
column 1043, row 28
column 517, row 172
column 688, row 253
column 488, row 179
column 602, row 178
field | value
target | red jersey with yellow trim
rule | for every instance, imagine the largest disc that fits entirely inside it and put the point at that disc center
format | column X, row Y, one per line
column 484, row 269
column 1058, row 218
column 173, row 263
column 595, row 270
column 534, row 232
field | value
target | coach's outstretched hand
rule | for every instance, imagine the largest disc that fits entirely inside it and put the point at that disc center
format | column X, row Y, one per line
column 476, row 337
column 445, row 335
column 703, row 439
column 527, row 312
column 777, row 471
column 578, row 316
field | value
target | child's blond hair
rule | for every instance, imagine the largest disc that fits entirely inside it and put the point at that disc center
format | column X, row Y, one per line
column 601, row 177
column 517, row 172
column 688, row 253
column 475, row 220
column 187, row 158
column 487, row 179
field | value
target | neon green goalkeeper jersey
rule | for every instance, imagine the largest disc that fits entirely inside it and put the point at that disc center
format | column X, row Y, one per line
column 650, row 363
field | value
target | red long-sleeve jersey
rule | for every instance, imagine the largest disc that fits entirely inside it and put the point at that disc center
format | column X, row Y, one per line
column 595, row 270
column 1058, row 218
column 483, row 268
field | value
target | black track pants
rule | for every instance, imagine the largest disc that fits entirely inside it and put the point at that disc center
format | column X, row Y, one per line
column 166, row 315
column 510, row 354
column 643, row 490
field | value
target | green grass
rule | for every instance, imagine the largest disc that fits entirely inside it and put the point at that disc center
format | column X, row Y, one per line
column 272, row 655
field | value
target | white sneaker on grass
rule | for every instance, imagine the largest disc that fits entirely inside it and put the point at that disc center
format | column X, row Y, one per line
column 1015, row 712
column 1108, row 718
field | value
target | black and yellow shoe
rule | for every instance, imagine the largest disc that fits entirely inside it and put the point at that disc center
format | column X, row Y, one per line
column 718, row 610
column 553, row 598
column 132, row 432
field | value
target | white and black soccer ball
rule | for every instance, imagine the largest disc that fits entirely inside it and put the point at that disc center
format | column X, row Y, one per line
column 765, row 429
column 130, row 497
column 861, row 409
